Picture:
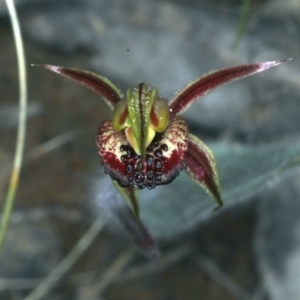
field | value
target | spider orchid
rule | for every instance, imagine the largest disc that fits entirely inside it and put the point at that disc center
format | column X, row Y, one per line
column 147, row 142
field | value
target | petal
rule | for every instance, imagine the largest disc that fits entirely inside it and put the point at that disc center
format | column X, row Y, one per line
column 132, row 140
column 201, row 167
column 159, row 116
column 139, row 104
column 172, row 150
column 164, row 156
column 101, row 85
column 202, row 86
column 120, row 117
column 110, row 145
column 130, row 194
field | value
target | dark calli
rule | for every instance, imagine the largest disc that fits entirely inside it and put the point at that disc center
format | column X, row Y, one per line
column 147, row 143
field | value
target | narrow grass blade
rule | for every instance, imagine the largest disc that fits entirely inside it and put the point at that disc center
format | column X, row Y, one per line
column 14, row 180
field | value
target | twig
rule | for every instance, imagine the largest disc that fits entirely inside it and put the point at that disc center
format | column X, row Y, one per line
column 165, row 262
column 107, row 277
column 44, row 148
column 68, row 261
column 14, row 180
column 112, row 274
column 18, row 284
column 156, row 266
column 221, row 278
column 259, row 294
column 51, row 145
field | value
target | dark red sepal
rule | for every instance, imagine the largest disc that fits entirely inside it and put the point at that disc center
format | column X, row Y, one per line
column 201, row 167
column 101, row 85
column 203, row 85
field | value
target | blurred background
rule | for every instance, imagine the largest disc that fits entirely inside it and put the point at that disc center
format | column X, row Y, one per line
column 249, row 250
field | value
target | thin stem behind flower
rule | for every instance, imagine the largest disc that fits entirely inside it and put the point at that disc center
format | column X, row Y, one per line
column 14, row 179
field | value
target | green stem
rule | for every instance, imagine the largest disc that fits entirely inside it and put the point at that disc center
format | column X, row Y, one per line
column 242, row 23
column 14, row 179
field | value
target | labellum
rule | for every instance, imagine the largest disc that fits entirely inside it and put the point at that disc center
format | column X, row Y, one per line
column 140, row 147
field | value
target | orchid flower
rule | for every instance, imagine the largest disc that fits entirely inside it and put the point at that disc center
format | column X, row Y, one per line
column 147, row 142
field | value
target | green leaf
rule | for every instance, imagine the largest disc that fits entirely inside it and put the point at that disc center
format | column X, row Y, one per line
column 243, row 170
